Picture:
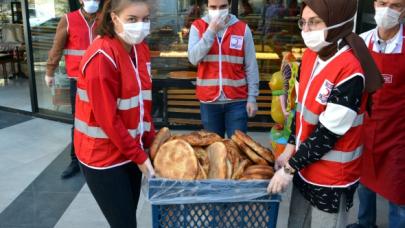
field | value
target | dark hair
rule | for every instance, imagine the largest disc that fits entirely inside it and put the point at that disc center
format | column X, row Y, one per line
column 106, row 27
column 206, row 2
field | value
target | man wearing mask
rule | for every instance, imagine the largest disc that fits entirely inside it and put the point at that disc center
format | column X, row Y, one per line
column 228, row 76
column 383, row 169
column 75, row 32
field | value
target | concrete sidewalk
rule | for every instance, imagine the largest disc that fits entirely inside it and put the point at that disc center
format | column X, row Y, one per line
column 34, row 152
column 83, row 212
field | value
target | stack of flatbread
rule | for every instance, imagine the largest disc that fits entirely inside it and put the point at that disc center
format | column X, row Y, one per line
column 205, row 155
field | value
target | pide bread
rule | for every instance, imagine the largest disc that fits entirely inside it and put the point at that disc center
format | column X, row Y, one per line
column 176, row 160
column 202, row 175
column 217, row 155
column 161, row 137
column 241, row 168
column 201, row 138
column 254, row 177
column 229, row 169
column 233, row 153
column 249, row 152
column 260, row 170
column 203, row 155
column 256, row 147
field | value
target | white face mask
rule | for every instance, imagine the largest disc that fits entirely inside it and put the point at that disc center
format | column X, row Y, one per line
column 315, row 40
column 386, row 17
column 134, row 33
column 90, row 6
column 221, row 14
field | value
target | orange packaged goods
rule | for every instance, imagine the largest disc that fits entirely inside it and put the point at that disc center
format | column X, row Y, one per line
column 203, row 155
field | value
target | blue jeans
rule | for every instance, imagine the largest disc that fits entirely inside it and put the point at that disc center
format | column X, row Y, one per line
column 397, row 215
column 227, row 117
column 368, row 208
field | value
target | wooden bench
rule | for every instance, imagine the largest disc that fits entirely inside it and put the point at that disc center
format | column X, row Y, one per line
column 183, row 108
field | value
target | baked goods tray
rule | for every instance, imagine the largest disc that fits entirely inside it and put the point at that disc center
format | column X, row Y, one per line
column 164, row 191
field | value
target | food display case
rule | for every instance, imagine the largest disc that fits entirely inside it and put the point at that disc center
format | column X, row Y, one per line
column 275, row 31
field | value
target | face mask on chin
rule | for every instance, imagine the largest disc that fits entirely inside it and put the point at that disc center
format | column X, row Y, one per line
column 386, row 17
column 316, row 40
column 134, row 33
column 91, row 6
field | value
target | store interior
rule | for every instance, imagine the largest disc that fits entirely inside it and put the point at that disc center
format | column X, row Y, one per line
column 273, row 24
column 14, row 90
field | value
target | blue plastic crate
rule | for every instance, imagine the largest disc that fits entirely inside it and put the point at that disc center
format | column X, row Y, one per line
column 173, row 204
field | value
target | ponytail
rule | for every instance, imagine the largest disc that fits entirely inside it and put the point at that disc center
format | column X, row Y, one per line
column 106, row 27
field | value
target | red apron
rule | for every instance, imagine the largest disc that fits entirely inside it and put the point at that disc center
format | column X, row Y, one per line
column 383, row 169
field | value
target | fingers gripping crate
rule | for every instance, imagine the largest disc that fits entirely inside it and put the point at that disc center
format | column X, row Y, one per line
column 212, row 203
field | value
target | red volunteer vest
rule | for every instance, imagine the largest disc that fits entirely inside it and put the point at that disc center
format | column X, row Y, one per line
column 134, row 104
column 79, row 37
column 222, row 69
column 339, row 167
column 384, row 152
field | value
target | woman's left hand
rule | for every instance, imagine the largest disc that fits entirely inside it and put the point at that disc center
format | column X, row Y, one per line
column 279, row 182
column 147, row 169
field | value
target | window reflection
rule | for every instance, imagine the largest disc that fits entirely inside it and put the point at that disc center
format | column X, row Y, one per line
column 14, row 88
column 44, row 18
column 275, row 32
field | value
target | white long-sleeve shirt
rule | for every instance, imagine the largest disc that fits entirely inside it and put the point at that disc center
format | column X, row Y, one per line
column 393, row 45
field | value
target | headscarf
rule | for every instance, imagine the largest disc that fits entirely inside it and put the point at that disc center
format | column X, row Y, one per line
column 333, row 12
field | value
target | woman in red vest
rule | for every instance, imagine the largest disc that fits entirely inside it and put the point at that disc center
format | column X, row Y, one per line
column 113, row 122
column 74, row 34
column 336, row 73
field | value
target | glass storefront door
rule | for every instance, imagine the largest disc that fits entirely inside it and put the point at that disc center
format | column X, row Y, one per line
column 43, row 20
column 14, row 81
column 275, row 32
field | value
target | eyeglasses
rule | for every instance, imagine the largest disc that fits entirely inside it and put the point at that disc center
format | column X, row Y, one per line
column 312, row 23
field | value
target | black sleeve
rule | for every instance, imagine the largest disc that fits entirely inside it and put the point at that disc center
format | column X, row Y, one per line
column 291, row 139
column 322, row 140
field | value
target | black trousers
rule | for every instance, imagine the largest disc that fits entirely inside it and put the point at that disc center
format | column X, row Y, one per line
column 73, row 90
column 116, row 191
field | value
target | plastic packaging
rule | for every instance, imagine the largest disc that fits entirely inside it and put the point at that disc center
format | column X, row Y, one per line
column 164, row 191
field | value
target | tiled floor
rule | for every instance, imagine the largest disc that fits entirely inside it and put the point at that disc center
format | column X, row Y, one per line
column 33, row 154
column 7, row 120
column 15, row 94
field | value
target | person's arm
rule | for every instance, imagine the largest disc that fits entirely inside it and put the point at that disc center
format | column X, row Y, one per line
column 291, row 138
column 103, row 91
column 56, row 52
column 148, row 137
column 341, row 110
column 199, row 48
column 251, row 68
